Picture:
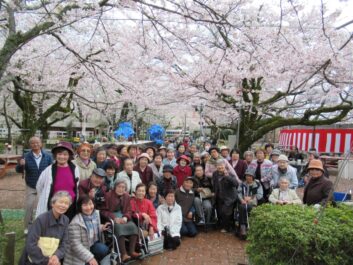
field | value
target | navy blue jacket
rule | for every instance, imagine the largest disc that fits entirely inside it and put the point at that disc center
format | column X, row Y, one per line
column 32, row 172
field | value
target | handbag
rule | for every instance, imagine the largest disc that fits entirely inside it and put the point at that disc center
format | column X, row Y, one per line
column 155, row 246
column 206, row 193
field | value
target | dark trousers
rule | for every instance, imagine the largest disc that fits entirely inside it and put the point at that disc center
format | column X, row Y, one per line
column 188, row 229
column 244, row 212
column 171, row 242
column 225, row 215
column 99, row 250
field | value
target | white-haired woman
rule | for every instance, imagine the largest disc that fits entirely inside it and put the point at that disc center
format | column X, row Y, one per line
column 284, row 195
column 48, row 236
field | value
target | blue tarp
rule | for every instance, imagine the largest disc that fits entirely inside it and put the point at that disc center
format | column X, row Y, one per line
column 156, row 133
column 124, row 130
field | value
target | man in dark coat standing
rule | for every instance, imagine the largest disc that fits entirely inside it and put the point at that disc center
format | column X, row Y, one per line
column 32, row 165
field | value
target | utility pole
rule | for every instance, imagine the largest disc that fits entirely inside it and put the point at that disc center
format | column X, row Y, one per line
column 239, row 118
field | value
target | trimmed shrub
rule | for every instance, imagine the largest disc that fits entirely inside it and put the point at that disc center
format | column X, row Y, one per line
column 294, row 234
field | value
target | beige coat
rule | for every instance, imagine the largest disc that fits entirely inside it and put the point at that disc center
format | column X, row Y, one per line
column 293, row 197
column 85, row 171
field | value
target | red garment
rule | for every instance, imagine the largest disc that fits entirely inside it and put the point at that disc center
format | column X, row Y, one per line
column 146, row 176
column 144, row 206
column 181, row 173
column 114, row 203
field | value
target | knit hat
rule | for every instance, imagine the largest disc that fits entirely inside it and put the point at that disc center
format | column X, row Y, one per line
column 316, row 164
column 275, row 152
column 283, row 158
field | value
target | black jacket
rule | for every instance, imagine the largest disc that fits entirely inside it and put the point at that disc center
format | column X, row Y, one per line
column 225, row 188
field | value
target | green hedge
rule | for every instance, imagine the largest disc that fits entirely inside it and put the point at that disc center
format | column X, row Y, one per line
column 293, row 235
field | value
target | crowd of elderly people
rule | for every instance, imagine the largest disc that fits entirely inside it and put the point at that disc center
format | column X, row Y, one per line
column 170, row 191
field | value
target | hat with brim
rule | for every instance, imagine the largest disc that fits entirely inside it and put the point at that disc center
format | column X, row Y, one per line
column 99, row 172
column 144, row 155
column 316, row 164
column 65, row 145
column 224, row 148
column 213, row 148
column 250, row 172
column 189, row 178
column 168, row 168
column 283, row 158
column 186, row 158
column 275, row 152
column 162, row 147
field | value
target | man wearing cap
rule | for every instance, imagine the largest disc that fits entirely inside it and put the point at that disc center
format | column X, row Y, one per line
column 284, row 170
column 94, row 187
column 170, row 159
column 32, row 165
column 211, row 165
column 318, row 187
column 249, row 194
column 163, row 151
column 184, row 196
column 167, row 182
column 274, row 156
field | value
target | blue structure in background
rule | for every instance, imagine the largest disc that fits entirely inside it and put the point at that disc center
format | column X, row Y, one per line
column 124, row 130
column 156, row 133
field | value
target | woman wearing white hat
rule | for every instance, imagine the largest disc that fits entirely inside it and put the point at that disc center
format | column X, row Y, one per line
column 283, row 170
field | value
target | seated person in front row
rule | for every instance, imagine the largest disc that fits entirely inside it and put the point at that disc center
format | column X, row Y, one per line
column 170, row 219
column 143, row 210
column 184, row 196
column 85, row 235
column 284, row 170
column 117, row 208
column 49, row 226
column 203, row 195
column 284, row 195
column 94, row 187
column 249, row 193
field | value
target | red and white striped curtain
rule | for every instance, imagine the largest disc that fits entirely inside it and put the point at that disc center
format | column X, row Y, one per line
column 324, row 140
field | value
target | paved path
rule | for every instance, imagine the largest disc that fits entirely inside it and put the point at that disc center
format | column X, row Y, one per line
column 209, row 248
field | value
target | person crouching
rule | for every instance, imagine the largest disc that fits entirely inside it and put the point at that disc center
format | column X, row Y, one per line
column 184, row 196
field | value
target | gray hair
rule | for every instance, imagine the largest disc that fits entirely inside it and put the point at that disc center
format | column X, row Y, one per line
column 34, row 138
column 283, row 179
column 249, row 153
column 220, row 162
column 120, row 181
column 60, row 194
column 197, row 154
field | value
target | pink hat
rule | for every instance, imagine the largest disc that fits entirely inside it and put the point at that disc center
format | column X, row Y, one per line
column 186, row 158
column 144, row 155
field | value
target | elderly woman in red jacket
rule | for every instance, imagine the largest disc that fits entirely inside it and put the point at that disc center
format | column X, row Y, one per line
column 144, row 211
column 117, row 208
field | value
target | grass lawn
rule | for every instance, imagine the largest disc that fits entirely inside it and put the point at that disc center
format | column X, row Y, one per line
column 13, row 222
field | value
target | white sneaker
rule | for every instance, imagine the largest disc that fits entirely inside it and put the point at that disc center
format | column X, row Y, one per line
column 224, row 231
column 25, row 232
